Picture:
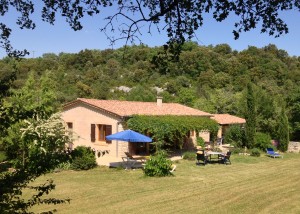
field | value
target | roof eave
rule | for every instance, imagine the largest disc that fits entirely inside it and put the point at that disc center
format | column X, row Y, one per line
column 93, row 106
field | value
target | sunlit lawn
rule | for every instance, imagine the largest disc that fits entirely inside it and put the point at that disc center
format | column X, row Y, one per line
column 249, row 185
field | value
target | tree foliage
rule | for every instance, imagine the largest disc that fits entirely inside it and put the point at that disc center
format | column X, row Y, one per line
column 41, row 149
column 250, row 117
column 283, row 131
column 262, row 141
column 194, row 80
column 34, row 140
column 37, row 98
column 235, row 135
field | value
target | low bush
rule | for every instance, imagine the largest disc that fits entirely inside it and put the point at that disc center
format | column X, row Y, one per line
column 83, row 158
column 237, row 150
column 189, row 155
column 158, row 165
column 262, row 141
column 255, row 152
column 63, row 166
column 200, row 142
column 235, row 135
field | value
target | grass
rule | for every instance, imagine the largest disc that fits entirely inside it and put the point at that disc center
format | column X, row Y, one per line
column 249, row 185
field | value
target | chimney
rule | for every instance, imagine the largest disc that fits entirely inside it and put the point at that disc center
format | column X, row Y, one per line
column 159, row 101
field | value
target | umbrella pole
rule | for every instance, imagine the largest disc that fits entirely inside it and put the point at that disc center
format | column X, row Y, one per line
column 147, row 148
column 117, row 148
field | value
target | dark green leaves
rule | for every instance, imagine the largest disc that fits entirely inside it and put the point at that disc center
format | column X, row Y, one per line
column 181, row 19
column 171, row 128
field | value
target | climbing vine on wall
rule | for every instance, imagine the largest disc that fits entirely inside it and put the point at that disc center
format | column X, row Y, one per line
column 171, row 128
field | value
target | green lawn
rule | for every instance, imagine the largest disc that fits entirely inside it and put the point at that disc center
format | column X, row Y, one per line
column 249, row 185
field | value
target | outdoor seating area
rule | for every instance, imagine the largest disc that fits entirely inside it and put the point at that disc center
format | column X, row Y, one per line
column 209, row 156
column 133, row 161
column 273, row 154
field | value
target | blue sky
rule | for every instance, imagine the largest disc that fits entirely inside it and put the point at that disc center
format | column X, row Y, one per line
column 60, row 38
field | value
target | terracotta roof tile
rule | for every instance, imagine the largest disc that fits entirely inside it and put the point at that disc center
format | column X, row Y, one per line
column 129, row 108
column 228, row 119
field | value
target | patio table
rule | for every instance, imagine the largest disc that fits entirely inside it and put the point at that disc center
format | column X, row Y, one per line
column 211, row 153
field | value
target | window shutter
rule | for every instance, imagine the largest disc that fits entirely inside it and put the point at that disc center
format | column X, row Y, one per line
column 93, row 132
column 108, row 132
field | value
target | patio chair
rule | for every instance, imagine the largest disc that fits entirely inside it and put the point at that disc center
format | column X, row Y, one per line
column 220, row 141
column 129, row 161
column 272, row 153
column 226, row 158
column 173, row 168
column 135, row 157
column 201, row 157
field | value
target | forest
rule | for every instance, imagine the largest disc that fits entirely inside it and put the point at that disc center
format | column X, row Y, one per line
column 210, row 78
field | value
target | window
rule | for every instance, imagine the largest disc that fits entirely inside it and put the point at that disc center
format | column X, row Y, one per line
column 99, row 132
column 70, row 130
column 70, row 125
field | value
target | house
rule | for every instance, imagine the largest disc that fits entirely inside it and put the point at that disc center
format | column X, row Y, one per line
column 92, row 120
column 225, row 121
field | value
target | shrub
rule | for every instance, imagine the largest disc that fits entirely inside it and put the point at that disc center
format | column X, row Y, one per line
column 83, row 158
column 255, row 152
column 2, row 156
column 200, row 142
column 237, row 150
column 235, row 135
column 262, row 141
column 158, row 165
column 63, row 166
column 189, row 156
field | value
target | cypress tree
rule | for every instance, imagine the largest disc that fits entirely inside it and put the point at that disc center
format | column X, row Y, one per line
column 250, row 116
column 283, row 131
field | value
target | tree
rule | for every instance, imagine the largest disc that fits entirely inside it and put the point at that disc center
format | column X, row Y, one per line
column 267, row 112
column 186, row 96
column 250, row 116
column 34, row 142
column 7, row 76
column 141, row 93
column 36, row 97
column 181, row 18
column 42, row 143
column 283, row 131
column 294, row 103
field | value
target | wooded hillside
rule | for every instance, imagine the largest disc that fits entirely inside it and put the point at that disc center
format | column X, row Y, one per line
column 210, row 78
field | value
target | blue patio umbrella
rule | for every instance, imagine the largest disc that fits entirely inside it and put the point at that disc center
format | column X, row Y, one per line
column 129, row 136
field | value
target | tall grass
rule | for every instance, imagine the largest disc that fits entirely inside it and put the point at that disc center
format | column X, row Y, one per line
column 249, row 185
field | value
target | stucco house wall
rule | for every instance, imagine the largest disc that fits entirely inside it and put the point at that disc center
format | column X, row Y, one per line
column 85, row 117
column 82, row 116
column 225, row 121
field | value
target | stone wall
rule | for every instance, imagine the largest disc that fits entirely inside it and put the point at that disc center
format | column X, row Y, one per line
column 294, row 147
